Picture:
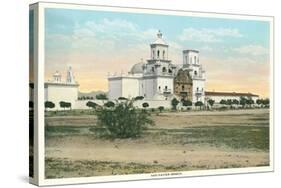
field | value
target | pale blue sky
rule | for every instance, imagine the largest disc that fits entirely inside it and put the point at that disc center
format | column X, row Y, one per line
column 100, row 42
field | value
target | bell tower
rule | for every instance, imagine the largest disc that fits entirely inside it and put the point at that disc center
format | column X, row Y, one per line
column 70, row 77
column 159, row 48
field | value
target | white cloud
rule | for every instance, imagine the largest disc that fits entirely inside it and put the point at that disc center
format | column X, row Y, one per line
column 252, row 50
column 208, row 35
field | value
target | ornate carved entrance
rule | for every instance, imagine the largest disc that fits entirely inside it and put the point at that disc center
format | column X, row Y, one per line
column 183, row 85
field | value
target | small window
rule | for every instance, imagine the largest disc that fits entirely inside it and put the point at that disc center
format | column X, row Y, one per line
column 152, row 69
column 195, row 59
column 163, row 54
column 158, row 54
column 159, row 88
column 166, row 87
column 197, row 88
column 182, row 87
column 195, row 73
column 164, row 69
column 153, row 54
column 190, row 60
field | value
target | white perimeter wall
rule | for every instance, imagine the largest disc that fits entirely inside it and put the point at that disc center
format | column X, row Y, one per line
column 217, row 99
column 58, row 93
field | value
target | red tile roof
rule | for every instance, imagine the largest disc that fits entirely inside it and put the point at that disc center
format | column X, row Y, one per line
column 214, row 93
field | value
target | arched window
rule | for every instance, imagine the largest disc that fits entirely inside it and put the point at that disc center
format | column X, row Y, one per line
column 153, row 54
column 195, row 73
column 159, row 88
column 166, row 88
column 152, row 69
column 163, row 54
column 164, row 69
column 182, row 87
column 197, row 88
column 195, row 60
column 158, row 54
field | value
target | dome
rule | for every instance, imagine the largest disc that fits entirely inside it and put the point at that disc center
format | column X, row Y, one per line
column 159, row 39
column 137, row 68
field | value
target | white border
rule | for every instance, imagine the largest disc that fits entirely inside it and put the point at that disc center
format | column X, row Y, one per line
column 41, row 61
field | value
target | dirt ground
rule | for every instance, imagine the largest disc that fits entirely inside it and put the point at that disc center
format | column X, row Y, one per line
column 178, row 141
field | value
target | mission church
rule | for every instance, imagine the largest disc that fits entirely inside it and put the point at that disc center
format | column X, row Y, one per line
column 159, row 78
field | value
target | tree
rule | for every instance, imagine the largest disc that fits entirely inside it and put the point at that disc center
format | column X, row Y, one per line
column 229, row 102
column 175, row 103
column 109, row 104
column 199, row 103
column 259, row 101
column 250, row 102
column 161, row 108
column 266, row 102
column 186, row 103
column 65, row 105
column 139, row 98
column 223, row 101
column 122, row 98
column 124, row 120
column 49, row 104
column 91, row 104
column 211, row 102
column 101, row 96
column 243, row 101
column 145, row 105
column 235, row 101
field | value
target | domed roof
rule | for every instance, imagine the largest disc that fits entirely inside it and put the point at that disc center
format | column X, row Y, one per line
column 159, row 39
column 137, row 68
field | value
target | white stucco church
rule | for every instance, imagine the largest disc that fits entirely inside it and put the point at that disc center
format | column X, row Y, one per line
column 159, row 78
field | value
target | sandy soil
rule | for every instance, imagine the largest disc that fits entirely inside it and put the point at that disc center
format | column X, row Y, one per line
column 147, row 151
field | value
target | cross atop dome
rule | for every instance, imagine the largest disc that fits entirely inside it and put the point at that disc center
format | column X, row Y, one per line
column 159, row 39
column 159, row 34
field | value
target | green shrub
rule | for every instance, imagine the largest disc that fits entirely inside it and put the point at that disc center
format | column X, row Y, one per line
column 161, row 108
column 124, row 120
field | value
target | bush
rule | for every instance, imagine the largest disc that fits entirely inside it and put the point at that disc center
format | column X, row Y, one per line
column 175, row 103
column 109, row 104
column 91, row 104
column 124, row 120
column 49, row 104
column 101, row 96
column 145, row 105
column 161, row 108
column 139, row 98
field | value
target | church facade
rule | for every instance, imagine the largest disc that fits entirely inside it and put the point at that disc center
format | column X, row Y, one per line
column 160, row 79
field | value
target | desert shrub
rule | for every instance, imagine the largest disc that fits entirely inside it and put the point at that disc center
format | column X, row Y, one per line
column 124, row 120
column 49, row 104
column 91, row 104
column 174, row 103
column 161, row 108
column 145, row 105
column 101, row 96
column 139, row 98
column 199, row 103
column 65, row 105
column 109, row 104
